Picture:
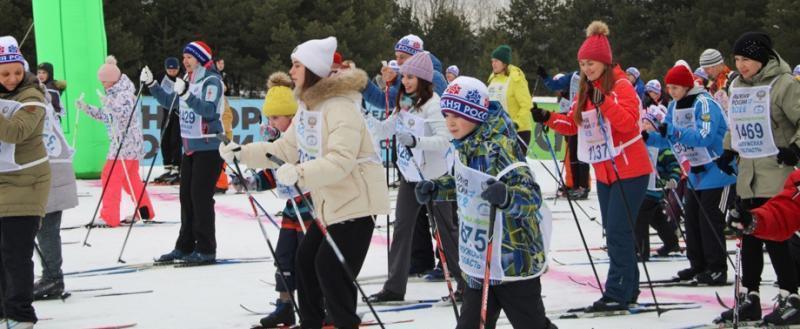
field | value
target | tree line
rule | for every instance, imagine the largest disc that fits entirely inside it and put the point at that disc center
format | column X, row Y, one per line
column 256, row 37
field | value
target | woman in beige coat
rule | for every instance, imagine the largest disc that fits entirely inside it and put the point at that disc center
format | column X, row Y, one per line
column 24, row 181
column 328, row 151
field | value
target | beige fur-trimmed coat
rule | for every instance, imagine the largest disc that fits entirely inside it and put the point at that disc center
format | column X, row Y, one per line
column 343, row 185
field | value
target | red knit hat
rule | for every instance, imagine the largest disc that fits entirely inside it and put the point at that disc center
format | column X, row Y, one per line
column 596, row 46
column 680, row 75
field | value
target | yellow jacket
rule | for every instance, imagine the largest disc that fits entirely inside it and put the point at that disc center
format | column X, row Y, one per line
column 518, row 97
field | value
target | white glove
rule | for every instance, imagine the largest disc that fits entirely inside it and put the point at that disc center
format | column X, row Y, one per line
column 179, row 87
column 287, row 174
column 230, row 152
column 81, row 104
column 146, row 77
column 671, row 184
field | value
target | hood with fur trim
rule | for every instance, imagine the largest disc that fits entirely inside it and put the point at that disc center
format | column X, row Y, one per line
column 346, row 83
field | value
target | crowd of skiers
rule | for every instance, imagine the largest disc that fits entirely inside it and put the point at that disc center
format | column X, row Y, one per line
column 715, row 148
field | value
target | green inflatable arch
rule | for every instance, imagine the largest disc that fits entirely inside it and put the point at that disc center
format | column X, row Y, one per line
column 71, row 35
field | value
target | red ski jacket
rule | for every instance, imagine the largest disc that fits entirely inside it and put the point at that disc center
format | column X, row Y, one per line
column 779, row 218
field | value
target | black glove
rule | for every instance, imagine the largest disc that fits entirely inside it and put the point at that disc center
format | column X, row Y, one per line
column 663, row 128
column 645, row 135
column 539, row 115
column 789, row 155
column 724, row 162
column 541, row 72
column 596, row 95
column 496, row 193
column 741, row 220
column 698, row 170
column 424, row 191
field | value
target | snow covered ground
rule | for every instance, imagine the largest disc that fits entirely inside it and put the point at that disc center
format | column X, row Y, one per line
column 209, row 296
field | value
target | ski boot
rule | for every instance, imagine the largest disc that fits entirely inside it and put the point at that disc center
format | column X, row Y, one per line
column 434, row 275
column 712, row 278
column 161, row 179
column 197, row 258
column 172, row 256
column 579, row 193
column 384, row 296
column 45, row 289
column 749, row 309
column 686, row 274
column 605, row 304
column 173, row 179
column 786, row 311
column 283, row 315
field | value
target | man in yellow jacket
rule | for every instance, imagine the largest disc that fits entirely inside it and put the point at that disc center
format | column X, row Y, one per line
column 507, row 85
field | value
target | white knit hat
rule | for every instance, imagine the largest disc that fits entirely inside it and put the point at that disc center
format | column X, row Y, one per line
column 711, row 57
column 316, row 55
column 9, row 51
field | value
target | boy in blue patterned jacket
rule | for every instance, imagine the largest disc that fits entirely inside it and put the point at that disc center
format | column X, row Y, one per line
column 491, row 171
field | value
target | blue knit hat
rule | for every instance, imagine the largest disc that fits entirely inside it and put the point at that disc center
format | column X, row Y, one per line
column 452, row 69
column 199, row 50
column 171, row 63
column 468, row 98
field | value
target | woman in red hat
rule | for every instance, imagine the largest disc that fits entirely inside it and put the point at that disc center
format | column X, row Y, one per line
column 605, row 117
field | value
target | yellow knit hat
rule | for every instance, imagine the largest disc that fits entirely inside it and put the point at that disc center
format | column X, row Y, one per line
column 280, row 98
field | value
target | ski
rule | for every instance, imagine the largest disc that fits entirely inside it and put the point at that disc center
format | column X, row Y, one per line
column 580, row 313
column 741, row 324
column 606, row 261
column 123, row 223
column 370, row 323
column 113, row 294
column 382, row 310
column 129, row 268
column 401, row 302
column 119, row 326
column 691, row 283
column 224, row 261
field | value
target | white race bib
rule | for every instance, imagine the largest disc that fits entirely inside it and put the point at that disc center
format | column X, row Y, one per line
column 7, row 158
column 309, row 133
column 653, row 153
column 473, row 215
column 191, row 122
column 592, row 146
column 749, row 121
column 438, row 162
column 697, row 156
column 498, row 92
column 54, row 141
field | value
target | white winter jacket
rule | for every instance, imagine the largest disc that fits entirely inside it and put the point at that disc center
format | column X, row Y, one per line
column 347, row 181
column 438, row 137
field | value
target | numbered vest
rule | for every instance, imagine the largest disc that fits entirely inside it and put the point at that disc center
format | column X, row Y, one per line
column 54, row 141
column 309, row 133
column 438, row 162
column 697, row 156
column 498, row 92
column 749, row 121
column 473, row 215
column 592, row 136
column 652, row 152
column 574, row 85
column 167, row 83
column 7, row 156
column 191, row 122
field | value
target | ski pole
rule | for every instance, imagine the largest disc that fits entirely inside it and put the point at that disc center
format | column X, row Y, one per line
column 238, row 173
column 703, row 209
column 487, row 266
column 147, row 177
column 124, row 170
column 574, row 215
column 437, row 235
column 628, row 214
column 331, row 242
column 386, row 164
column 113, row 165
